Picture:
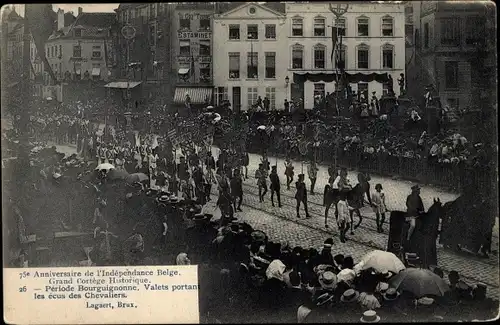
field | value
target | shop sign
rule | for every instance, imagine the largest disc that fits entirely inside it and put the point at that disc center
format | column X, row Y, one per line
column 191, row 35
column 189, row 59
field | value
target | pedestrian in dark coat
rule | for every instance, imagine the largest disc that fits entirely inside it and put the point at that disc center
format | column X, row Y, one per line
column 301, row 195
column 275, row 185
column 237, row 189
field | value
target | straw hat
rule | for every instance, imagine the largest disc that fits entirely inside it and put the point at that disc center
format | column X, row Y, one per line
column 350, row 295
column 327, row 280
column 425, row 301
column 391, row 294
column 382, row 287
column 370, row 316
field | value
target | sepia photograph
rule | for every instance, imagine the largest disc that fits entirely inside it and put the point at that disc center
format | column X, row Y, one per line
column 309, row 161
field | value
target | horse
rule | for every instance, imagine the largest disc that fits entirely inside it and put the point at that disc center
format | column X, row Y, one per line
column 355, row 198
column 423, row 240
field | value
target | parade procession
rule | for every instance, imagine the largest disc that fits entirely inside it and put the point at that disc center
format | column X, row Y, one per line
column 318, row 161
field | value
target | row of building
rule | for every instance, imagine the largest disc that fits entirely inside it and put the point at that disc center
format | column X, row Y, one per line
column 240, row 51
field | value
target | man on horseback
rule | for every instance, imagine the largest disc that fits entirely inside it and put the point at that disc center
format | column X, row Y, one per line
column 415, row 207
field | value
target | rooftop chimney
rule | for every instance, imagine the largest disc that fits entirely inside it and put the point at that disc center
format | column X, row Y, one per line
column 80, row 10
column 60, row 19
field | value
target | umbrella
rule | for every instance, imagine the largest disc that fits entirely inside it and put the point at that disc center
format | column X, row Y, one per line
column 420, row 282
column 382, row 261
column 137, row 177
column 118, row 174
column 105, row 166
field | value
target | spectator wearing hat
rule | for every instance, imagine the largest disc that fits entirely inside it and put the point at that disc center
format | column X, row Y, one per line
column 301, row 195
column 318, row 311
column 390, row 297
column 370, row 316
column 349, row 296
column 415, row 207
column 312, row 171
column 275, row 185
column 379, row 207
column 368, row 300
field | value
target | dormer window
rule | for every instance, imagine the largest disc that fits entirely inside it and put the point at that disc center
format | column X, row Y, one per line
column 78, row 32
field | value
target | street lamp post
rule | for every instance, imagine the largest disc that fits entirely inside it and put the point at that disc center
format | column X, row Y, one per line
column 338, row 11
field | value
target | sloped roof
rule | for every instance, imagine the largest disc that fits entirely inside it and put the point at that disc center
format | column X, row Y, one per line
column 69, row 19
column 95, row 19
column 13, row 15
column 274, row 6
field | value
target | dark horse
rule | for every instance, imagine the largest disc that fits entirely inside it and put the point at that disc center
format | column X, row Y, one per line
column 423, row 240
column 355, row 198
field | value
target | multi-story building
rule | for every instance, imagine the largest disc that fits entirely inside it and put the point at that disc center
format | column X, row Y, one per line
column 373, row 45
column 146, row 58
column 192, row 31
column 250, row 49
column 454, row 52
column 80, row 50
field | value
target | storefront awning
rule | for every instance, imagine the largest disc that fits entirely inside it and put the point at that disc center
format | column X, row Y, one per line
column 197, row 95
column 183, row 70
column 299, row 78
column 96, row 72
column 123, row 84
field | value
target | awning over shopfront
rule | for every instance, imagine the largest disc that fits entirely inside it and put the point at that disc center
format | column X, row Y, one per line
column 183, row 71
column 96, row 72
column 198, row 95
column 123, row 84
column 299, row 78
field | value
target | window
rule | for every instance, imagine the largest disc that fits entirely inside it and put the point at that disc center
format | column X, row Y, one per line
column 319, row 56
column 363, row 26
column 234, row 31
column 341, row 25
column 78, row 32
column 204, row 48
column 234, row 65
column 60, row 70
column 387, row 26
column 221, row 95
column 185, row 47
column 297, row 57
column 60, row 51
column 475, row 30
column 270, row 31
column 451, row 74
column 388, row 56
column 252, row 32
column 319, row 89
column 55, row 51
column 96, row 51
column 319, row 27
column 152, row 35
column 252, row 65
column 271, row 95
column 385, row 89
column 205, row 23
column 450, row 31
column 341, row 55
column 184, row 23
column 270, row 65
column 363, row 56
column 77, row 51
column 205, row 72
column 426, row 35
column 363, row 89
column 297, row 27
column 252, row 96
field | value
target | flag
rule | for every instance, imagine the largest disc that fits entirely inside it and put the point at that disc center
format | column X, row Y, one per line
column 171, row 135
column 40, row 19
column 269, row 130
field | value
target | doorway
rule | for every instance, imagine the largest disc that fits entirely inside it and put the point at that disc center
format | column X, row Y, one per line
column 237, row 99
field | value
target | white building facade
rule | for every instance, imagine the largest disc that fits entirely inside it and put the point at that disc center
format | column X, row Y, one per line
column 373, row 44
column 249, row 56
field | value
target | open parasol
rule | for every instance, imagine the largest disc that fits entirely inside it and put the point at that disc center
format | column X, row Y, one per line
column 105, row 166
column 381, row 261
column 136, row 177
column 420, row 282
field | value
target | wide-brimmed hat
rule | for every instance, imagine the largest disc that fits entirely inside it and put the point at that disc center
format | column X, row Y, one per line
column 164, row 198
column 391, row 294
column 350, row 295
column 202, row 218
column 370, row 316
column 425, row 301
column 415, row 187
column 378, row 186
column 327, row 280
